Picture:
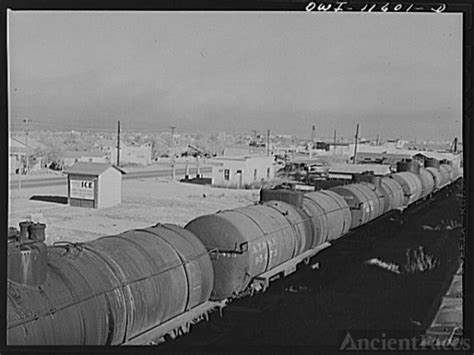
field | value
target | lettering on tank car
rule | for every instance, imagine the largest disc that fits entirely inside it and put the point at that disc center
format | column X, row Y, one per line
column 272, row 251
column 259, row 246
column 259, row 259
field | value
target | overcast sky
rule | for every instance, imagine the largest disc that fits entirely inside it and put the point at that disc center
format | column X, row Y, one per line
column 395, row 74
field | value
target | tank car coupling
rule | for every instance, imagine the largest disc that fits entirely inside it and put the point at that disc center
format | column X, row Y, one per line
column 28, row 255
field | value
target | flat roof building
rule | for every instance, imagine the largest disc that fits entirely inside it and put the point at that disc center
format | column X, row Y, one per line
column 239, row 171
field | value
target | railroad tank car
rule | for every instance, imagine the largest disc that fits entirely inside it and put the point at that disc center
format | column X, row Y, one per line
column 393, row 194
column 364, row 202
column 445, row 173
column 427, row 182
column 114, row 289
column 246, row 242
column 411, row 185
column 437, row 178
column 299, row 221
column 329, row 213
column 107, row 291
column 432, row 163
column 376, row 187
column 449, row 167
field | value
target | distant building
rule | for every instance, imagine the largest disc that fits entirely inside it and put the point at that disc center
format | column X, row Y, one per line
column 400, row 154
column 454, row 159
column 382, row 158
column 71, row 158
column 346, row 171
column 238, row 171
column 17, row 153
column 16, row 156
column 246, row 149
column 94, row 185
column 131, row 154
column 285, row 151
column 339, row 149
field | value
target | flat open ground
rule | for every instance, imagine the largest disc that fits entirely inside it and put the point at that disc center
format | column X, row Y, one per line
column 144, row 203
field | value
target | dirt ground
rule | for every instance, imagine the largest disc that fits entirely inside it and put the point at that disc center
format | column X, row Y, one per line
column 144, row 203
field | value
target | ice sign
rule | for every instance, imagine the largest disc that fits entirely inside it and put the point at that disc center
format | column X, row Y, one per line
column 87, row 184
column 83, row 189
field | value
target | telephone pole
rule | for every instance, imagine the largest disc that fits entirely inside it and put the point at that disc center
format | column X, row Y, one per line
column 334, row 151
column 27, row 121
column 118, row 143
column 173, row 176
column 355, row 145
column 268, row 143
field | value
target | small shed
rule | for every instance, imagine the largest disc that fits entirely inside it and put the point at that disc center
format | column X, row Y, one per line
column 94, row 185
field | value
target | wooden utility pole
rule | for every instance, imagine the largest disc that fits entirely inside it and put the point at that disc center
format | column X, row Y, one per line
column 173, row 168
column 334, row 151
column 455, row 145
column 118, row 143
column 26, row 120
column 186, row 169
column 268, row 143
column 355, row 145
column 198, row 168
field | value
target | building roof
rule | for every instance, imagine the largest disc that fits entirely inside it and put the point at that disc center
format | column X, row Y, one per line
column 241, row 157
column 378, row 169
column 306, row 160
column 437, row 155
column 85, row 168
column 73, row 154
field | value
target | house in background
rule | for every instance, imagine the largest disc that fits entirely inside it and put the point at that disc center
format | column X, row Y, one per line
column 246, row 149
column 71, row 158
column 239, row 171
column 131, row 154
column 16, row 156
column 17, row 150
